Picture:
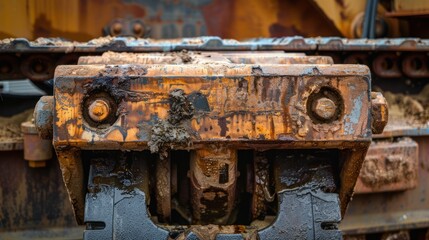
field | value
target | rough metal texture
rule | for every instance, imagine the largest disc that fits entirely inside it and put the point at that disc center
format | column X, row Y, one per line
column 291, row 224
column 261, row 182
column 10, row 130
column 408, row 114
column 36, row 150
column 32, row 198
column 211, row 104
column 116, row 204
column 116, row 207
column 392, row 211
column 124, row 44
column 187, row 57
column 43, row 117
column 379, row 112
column 245, row 106
column 389, row 166
column 213, row 177
column 388, row 58
column 269, row 100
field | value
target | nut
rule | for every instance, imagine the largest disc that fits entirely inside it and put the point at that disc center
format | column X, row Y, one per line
column 379, row 112
column 138, row 28
column 116, row 28
column 43, row 117
column 324, row 108
column 36, row 150
column 99, row 110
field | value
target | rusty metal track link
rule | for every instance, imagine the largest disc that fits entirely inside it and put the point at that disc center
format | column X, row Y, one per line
column 388, row 58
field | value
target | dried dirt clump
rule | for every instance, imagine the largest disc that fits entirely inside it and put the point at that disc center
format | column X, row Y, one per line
column 10, row 127
column 185, row 56
column 408, row 109
column 172, row 131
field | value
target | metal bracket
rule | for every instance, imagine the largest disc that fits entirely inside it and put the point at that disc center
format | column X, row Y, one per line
column 115, row 213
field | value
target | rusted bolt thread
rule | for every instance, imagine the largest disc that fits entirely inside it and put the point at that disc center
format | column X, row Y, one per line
column 99, row 110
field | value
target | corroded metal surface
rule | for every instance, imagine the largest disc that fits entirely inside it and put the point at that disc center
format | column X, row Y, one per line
column 379, row 112
column 408, row 115
column 389, row 166
column 116, row 208
column 392, row 211
column 185, row 57
column 214, row 104
column 36, row 150
column 297, row 44
column 213, row 174
column 43, row 117
column 225, row 90
column 163, row 188
column 236, row 104
column 388, row 58
column 32, row 198
column 261, row 182
column 10, row 130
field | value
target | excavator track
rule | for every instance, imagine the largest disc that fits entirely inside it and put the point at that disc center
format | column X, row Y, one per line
column 133, row 195
column 211, row 144
column 388, row 58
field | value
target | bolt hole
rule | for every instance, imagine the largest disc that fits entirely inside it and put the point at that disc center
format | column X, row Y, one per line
column 95, row 225
column 357, row 61
column 5, row 67
column 329, row 226
column 38, row 66
column 107, row 121
column 417, row 64
column 387, row 64
column 331, row 94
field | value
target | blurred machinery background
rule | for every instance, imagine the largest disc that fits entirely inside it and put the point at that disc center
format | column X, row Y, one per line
column 33, row 199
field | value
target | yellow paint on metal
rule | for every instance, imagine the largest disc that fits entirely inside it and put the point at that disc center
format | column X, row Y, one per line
column 83, row 20
column 246, row 19
column 411, row 5
column 342, row 13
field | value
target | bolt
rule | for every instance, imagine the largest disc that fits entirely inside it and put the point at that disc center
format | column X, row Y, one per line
column 379, row 112
column 43, row 117
column 37, row 164
column 116, row 28
column 137, row 28
column 99, row 110
column 324, row 108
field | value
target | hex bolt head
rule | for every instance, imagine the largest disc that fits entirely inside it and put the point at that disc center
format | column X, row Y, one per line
column 116, row 28
column 44, row 117
column 99, row 110
column 324, row 108
column 137, row 28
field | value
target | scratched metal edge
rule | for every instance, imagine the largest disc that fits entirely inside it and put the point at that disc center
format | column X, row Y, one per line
column 402, row 132
column 197, row 144
column 65, row 73
column 374, row 223
column 218, row 44
column 277, row 70
column 67, row 233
